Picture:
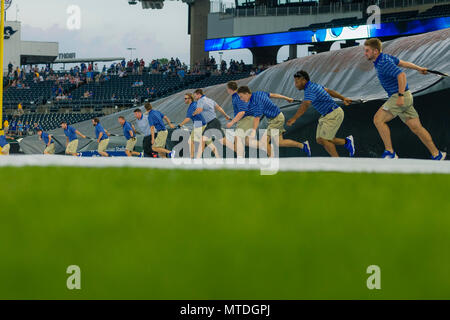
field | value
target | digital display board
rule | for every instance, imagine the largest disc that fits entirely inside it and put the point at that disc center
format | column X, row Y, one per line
column 329, row 34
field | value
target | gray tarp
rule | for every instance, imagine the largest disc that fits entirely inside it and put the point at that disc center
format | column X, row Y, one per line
column 346, row 71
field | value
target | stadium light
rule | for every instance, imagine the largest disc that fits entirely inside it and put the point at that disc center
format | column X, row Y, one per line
column 131, row 52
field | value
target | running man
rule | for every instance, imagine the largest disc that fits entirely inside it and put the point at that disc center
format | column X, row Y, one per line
column 102, row 137
column 4, row 145
column 400, row 102
column 48, row 140
column 198, row 128
column 155, row 120
column 130, row 135
column 260, row 104
column 207, row 107
column 243, row 120
column 332, row 115
column 71, row 138
column 144, row 129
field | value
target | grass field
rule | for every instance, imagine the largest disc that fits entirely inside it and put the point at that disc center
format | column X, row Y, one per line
column 156, row 234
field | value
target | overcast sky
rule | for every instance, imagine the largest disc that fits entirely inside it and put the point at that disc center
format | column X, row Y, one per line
column 108, row 27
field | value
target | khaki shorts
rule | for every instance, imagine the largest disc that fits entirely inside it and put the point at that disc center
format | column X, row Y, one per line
column 103, row 144
column 160, row 141
column 330, row 124
column 244, row 125
column 72, row 147
column 130, row 144
column 405, row 112
column 276, row 123
column 5, row 149
column 50, row 149
column 197, row 133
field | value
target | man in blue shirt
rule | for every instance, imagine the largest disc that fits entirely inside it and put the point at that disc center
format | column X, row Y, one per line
column 102, row 137
column 208, row 108
column 143, row 128
column 400, row 102
column 243, row 121
column 4, row 145
column 71, row 138
column 194, row 113
column 156, row 123
column 332, row 115
column 130, row 135
column 259, row 104
column 48, row 140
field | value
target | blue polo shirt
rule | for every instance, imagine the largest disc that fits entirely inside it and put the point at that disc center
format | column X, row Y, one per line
column 155, row 118
column 238, row 104
column 98, row 129
column 387, row 72
column 320, row 99
column 198, row 119
column 126, row 130
column 260, row 104
column 45, row 137
column 70, row 133
column 3, row 141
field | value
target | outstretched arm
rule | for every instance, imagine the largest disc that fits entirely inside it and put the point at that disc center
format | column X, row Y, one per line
column 303, row 107
column 337, row 95
column 168, row 122
column 236, row 119
column 219, row 108
column 279, row 96
column 410, row 65
column 186, row 120
column 80, row 134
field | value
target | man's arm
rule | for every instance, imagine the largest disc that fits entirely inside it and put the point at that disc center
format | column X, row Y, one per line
column 197, row 111
column 168, row 122
column 152, row 130
column 131, row 133
column 255, row 125
column 401, row 78
column 100, row 135
column 236, row 119
column 80, row 134
column 279, row 96
column 303, row 107
column 219, row 108
column 337, row 95
column 67, row 141
column 410, row 65
column 50, row 137
column 186, row 120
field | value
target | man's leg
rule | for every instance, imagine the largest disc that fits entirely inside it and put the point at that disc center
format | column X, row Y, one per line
column 381, row 117
column 416, row 127
column 338, row 141
column 329, row 146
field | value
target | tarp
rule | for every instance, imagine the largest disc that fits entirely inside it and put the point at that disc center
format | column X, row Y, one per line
column 346, row 71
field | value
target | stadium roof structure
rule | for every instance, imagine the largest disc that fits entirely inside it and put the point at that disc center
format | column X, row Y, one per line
column 88, row 60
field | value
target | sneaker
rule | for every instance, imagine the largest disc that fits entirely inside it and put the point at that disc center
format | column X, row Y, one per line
column 350, row 146
column 389, row 155
column 141, row 155
column 440, row 157
column 79, row 154
column 172, row 154
column 306, row 148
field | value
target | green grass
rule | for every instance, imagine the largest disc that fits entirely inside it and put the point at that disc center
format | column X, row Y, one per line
column 157, row 234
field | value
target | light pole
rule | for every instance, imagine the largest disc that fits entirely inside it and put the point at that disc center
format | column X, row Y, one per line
column 131, row 52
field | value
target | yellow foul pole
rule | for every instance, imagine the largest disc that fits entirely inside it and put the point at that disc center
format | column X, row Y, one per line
column 2, row 38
